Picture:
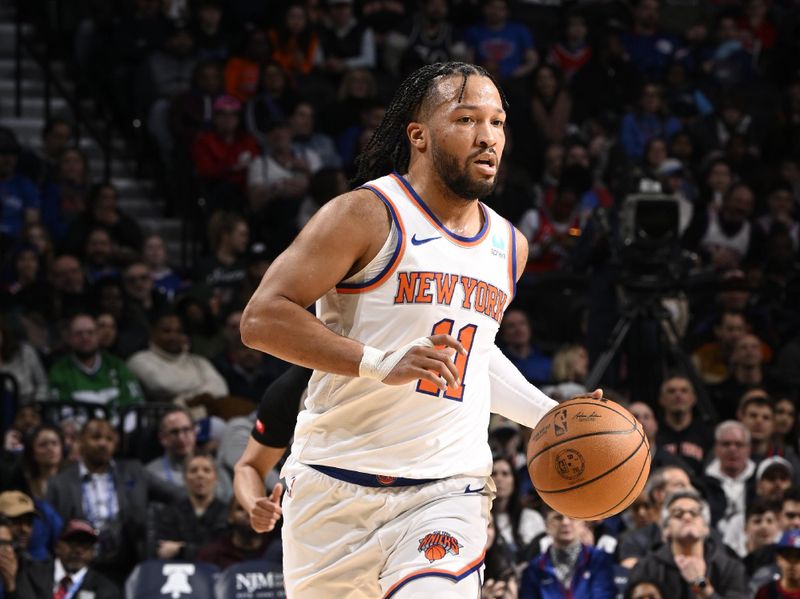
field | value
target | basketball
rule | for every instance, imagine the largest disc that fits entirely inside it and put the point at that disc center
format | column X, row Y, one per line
column 434, row 552
column 588, row 458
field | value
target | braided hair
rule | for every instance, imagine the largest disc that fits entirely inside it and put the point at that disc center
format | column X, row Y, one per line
column 388, row 149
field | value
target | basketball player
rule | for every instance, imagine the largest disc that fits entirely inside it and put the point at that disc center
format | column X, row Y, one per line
column 388, row 488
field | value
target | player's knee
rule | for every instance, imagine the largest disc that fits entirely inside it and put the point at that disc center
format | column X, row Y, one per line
column 441, row 588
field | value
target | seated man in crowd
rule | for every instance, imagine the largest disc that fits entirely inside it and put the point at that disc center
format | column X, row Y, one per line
column 34, row 524
column 183, row 527
column 569, row 568
column 757, row 413
column 177, row 434
column 635, row 544
column 680, row 432
column 70, row 574
column 112, row 495
column 90, row 375
column 787, row 551
column 690, row 563
column 169, row 372
column 761, row 531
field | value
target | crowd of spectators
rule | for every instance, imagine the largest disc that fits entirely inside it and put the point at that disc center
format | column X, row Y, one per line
column 134, row 393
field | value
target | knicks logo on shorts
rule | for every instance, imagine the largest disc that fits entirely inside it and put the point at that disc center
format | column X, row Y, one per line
column 437, row 544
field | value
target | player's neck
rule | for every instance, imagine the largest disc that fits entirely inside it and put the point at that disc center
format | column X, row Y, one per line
column 462, row 217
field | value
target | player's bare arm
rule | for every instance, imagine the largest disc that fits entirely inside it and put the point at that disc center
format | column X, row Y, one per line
column 249, row 474
column 338, row 242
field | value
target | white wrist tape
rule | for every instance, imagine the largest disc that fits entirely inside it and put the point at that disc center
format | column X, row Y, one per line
column 377, row 364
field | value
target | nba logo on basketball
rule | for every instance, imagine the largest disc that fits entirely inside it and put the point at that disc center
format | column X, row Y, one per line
column 560, row 422
column 437, row 544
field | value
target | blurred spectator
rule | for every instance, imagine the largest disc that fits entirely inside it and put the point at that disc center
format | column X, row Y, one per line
column 569, row 568
column 516, row 339
column 551, row 104
column 712, row 359
column 345, row 43
column 41, row 167
column 273, row 103
column 25, row 420
column 19, row 360
column 295, row 45
column 680, row 432
column 306, row 140
column 761, row 531
column 780, row 217
column 165, row 279
column 246, row 371
column 71, row 573
column 222, row 156
column 166, row 73
column 196, row 520
column 36, row 235
column 758, row 32
column 500, row 578
column 102, row 210
column 34, row 524
column 690, row 563
column 325, row 184
column 25, row 269
column 714, row 131
column 133, row 331
column 787, row 556
column 64, row 198
column 224, row 271
column 199, row 318
column 211, row 39
column 9, row 563
column 733, row 468
column 644, row 589
column 610, row 70
column 191, row 111
column 107, row 333
column 69, row 289
column 42, row 458
column 19, row 199
column 773, row 477
column 726, row 237
column 239, row 543
column 727, row 61
column 785, row 435
column 573, row 52
column 357, row 92
column 757, row 413
column 177, row 434
column 504, row 48
column 243, row 72
column 86, row 374
column 658, row 455
column 553, row 229
column 637, row 543
column 570, row 367
column 517, row 525
column 111, row 494
column 426, row 38
column 746, row 372
column 168, row 372
column 651, row 49
column 648, row 120
column 638, row 517
column 99, row 253
column 140, row 289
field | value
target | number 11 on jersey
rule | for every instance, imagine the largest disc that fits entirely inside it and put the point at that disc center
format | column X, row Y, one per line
column 466, row 335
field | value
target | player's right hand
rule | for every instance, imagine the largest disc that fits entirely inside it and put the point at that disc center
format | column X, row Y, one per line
column 267, row 511
column 434, row 364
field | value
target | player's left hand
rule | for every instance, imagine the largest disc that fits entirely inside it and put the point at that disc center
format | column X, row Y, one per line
column 267, row 511
column 596, row 394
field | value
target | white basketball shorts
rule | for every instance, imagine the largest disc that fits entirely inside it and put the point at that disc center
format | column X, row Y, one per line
column 346, row 541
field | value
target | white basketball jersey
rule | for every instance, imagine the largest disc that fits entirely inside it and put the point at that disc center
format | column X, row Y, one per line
column 426, row 280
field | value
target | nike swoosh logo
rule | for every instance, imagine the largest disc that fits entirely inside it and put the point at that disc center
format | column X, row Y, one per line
column 416, row 241
column 468, row 490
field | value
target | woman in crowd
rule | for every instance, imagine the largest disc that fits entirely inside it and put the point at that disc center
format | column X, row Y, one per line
column 551, row 104
column 42, row 458
column 517, row 525
column 195, row 520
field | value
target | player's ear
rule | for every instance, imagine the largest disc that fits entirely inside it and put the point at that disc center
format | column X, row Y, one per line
column 418, row 135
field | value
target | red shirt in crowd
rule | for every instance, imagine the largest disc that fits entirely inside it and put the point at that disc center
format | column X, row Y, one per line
column 217, row 160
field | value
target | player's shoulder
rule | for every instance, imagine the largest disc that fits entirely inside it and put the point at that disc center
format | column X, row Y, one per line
column 359, row 206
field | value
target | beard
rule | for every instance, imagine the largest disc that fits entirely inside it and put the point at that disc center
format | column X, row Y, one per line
column 456, row 176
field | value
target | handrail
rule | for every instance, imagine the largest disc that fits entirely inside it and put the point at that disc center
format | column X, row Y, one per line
column 102, row 138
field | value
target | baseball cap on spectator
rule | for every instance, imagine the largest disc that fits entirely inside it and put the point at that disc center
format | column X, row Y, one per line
column 77, row 528
column 227, row 104
column 789, row 540
column 771, row 463
column 16, row 503
column 8, row 142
